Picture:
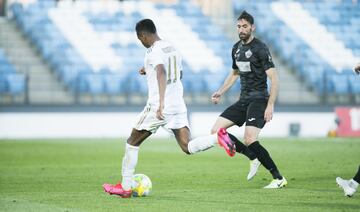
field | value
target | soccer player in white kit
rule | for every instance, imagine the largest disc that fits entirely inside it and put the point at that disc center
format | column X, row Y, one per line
column 165, row 107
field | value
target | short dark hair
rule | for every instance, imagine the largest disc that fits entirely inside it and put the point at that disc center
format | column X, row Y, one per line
column 246, row 16
column 145, row 25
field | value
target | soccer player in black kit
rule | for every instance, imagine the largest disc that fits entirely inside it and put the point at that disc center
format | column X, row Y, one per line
column 350, row 186
column 252, row 62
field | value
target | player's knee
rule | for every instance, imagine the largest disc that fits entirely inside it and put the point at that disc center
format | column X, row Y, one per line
column 248, row 139
column 132, row 142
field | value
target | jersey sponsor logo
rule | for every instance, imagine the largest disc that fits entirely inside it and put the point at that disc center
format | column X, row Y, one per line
column 248, row 53
column 244, row 66
column 251, row 119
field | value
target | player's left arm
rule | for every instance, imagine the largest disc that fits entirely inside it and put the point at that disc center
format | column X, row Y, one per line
column 273, row 77
column 161, row 78
column 269, row 67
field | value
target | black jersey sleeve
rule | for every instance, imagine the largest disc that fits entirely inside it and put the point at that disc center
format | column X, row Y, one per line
column 233, row 52
column 265, row 58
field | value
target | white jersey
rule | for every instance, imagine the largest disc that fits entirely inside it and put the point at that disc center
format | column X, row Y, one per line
column 162, row 52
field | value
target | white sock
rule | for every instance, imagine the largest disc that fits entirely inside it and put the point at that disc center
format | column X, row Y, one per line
column 128, row 165
column 353, row 184
column 202, row 143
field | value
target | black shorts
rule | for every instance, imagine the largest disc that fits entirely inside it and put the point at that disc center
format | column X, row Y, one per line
column 251, row 112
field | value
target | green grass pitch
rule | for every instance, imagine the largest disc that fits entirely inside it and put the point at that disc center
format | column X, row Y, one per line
column 66, row 175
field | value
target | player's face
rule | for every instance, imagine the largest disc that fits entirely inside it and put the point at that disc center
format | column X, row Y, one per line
column 244, row 29
column 143, row 39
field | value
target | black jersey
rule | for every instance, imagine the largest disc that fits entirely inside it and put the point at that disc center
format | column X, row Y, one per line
column 252, row 60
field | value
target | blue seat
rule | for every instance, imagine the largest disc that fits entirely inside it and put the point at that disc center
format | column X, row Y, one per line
column 115, row 83
column 7, row 68
column 354, row 84
column 92, row 84
column 136, row 83
column 69, row 76
column 340, row 84
column 213, row 81
column 16, row 83
column 46, row 4
column 2, row 53
column 194, row 83
column 3, row 86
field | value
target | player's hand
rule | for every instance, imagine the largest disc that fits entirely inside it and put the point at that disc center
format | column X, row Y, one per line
column 357, row 69
column 159, row 113
column 215, row 98
column 142, row 71
column 268, row 115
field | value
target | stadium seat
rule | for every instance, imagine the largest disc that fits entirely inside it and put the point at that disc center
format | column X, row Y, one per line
column 115, row 83
column 213, row 82
column 92, row 84
column 136, row 83
column 340, row 84
column 354, row 83
column 16, row 84
column 11, row 83
column 194, row 83
column 3, row 87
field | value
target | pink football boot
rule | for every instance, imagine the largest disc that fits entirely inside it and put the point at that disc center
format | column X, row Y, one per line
column 117, row 189
column 225, row 141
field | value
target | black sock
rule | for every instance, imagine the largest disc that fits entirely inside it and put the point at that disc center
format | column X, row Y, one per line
column 357, row 176
column 265, row 159
column 242, row 148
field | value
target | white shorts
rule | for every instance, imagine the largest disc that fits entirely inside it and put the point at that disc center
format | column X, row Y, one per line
column 147, row 120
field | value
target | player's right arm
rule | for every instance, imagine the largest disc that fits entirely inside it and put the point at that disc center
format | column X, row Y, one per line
column 229, row 81
column 142, row 71
column 161, row 78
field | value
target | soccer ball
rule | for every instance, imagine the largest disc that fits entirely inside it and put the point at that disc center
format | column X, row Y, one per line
column 141, row 186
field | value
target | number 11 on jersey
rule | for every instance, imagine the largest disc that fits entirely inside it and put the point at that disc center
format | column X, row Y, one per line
column 172, row 68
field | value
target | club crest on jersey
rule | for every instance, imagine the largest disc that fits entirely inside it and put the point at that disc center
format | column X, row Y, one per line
column 248, row 53
column 237, row 53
